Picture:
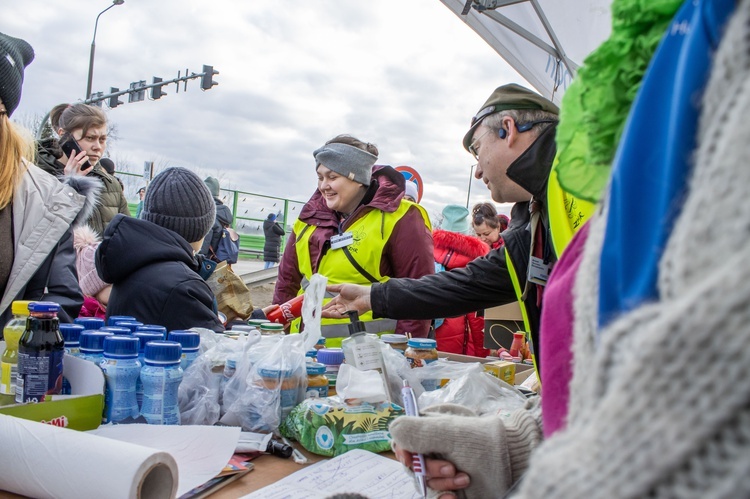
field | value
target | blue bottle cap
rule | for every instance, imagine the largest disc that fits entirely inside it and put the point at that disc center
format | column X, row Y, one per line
column 424, row 343
column 311, row 353
column 163, row 352
column 71, row 333
column 92, row 323
column 44, row 306
column 118, row 330
column 231, row 363
column 121, row 346
column 93, row 341
column 316, row 368
column 189, row 340
column 154, row 328
column 132, row 325
column 145, row 337
column 112, row 320
column 330, row 356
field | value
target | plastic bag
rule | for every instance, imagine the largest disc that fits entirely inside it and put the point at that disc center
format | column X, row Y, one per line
column 474, row 389
column 271, row 376
column 200, row 393
column 398, row 370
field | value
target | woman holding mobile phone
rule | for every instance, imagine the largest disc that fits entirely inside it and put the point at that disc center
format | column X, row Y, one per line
column 83, row 140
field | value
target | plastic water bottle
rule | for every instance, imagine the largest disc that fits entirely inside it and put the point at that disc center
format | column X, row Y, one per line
column 92, row 345
column 114, row 319
column 121, row 369
column 12, row 333
column 154, row 328
column 71, row 334
column 161, row 377
column 40, row 354
column 90, row 323
column 144, row 337
column 191, row 342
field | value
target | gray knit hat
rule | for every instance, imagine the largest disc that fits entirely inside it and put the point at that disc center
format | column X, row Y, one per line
column 15, row 55
column 351, row 162
column 178, row 200
column 213, row 186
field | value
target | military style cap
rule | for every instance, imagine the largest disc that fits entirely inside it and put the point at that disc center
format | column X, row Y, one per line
column 505, row 98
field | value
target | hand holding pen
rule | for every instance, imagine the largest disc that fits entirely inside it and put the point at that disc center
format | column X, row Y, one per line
column 410, row 406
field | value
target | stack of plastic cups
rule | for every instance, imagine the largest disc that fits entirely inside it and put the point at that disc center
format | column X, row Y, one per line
column 144, row 337
column 71, row 334
column 161, row 378
column 132, row 325
column 191, row 342
column 114, row 319
column 154, row 328
column 117, row 330
column 90, row 323
column 332, row 359
column 92, row 345
column 121, row 370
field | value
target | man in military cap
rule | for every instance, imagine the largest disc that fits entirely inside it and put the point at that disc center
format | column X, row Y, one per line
column 512, row 138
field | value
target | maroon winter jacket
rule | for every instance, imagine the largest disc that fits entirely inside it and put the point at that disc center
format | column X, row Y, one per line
column 465, row 334
column 408, row 252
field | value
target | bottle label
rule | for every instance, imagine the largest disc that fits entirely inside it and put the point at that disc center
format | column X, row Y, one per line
column 314, row 392
column 367, row 357
column 119, row 398
column 8, row 378
column 160, row 387
column 39, row 375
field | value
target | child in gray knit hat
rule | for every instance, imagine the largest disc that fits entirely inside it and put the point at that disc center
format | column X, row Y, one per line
column 151, row 261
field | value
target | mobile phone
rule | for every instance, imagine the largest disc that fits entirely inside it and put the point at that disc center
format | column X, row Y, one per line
column 70, row 147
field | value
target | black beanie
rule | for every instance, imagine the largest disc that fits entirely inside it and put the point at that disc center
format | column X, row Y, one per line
column 178, row 200
column 15, row 55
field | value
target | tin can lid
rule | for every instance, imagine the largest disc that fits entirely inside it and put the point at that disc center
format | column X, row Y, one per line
column 274, row 372
column 311, row 353
column 425, row 343
column 270, row 326
column 315, row 368
column 257, row 322
column 394, row 338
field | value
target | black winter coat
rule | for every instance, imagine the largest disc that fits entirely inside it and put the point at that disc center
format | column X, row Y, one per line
column 155, row 276
column 273, row 232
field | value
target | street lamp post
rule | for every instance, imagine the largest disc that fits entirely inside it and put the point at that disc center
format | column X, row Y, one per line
column 93, row 47
column 468, row 192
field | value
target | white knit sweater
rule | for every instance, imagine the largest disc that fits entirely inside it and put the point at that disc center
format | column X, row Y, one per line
column 661, row 406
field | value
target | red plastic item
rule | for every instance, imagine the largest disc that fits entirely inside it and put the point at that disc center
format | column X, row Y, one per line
column 288, row 311
column 519, row 338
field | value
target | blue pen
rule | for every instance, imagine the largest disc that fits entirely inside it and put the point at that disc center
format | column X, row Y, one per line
column 410, row 406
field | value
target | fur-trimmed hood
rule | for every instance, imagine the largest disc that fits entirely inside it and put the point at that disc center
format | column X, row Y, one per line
column 88, row 187
column 454, row 250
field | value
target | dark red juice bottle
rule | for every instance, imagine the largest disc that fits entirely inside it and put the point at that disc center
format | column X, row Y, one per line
column 40, row 354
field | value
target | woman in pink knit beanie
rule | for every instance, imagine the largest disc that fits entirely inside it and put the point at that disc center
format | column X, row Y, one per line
column 95, row 291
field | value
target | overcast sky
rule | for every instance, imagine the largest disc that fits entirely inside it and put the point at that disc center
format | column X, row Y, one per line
column 406, row 75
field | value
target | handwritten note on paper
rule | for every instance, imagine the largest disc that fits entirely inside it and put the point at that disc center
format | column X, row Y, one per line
column 361, row 471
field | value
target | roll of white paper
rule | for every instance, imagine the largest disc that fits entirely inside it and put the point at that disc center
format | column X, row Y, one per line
column 50, row 462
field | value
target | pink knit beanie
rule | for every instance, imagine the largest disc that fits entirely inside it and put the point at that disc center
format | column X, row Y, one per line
column 86, row 241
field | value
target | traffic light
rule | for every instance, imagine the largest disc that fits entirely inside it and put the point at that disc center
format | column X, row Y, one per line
column 136, row 95
column 207, row 80
column 156, row 91
column 114, row 101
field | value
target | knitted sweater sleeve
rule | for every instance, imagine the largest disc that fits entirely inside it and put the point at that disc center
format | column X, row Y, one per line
column 493, row 451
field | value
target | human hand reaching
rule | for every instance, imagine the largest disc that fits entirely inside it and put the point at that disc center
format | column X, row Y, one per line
column 349, row 297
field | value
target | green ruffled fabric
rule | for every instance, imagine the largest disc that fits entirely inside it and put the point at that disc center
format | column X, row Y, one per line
column 596, row 104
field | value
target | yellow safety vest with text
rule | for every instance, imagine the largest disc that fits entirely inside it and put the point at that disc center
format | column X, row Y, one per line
column 371, row 233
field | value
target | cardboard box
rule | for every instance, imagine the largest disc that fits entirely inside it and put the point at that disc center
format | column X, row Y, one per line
column 523, row 371
column 80, row 411
column 502, row 369
column 500, row 323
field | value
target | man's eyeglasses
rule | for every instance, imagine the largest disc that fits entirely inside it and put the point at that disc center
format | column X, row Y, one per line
column 473, row 147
